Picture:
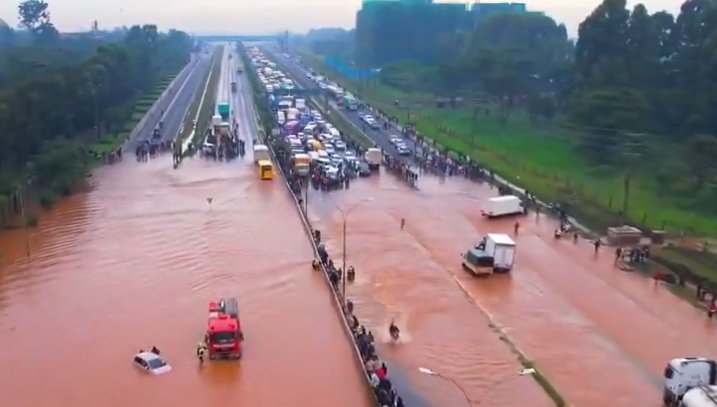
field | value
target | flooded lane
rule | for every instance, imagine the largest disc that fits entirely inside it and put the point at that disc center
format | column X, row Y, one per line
column 134, row 262
column 602, row 335
column 399, row 278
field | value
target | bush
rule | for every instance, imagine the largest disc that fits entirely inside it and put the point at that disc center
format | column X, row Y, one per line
column 47, row 199
column 31, row 220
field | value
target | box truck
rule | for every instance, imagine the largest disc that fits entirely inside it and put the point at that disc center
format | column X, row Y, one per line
column 502, row 206
column 373, row 157
column 495, row 253
column 261, row 153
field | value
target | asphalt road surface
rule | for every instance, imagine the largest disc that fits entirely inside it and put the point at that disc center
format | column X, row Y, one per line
column 298, row 72
column 175, row 104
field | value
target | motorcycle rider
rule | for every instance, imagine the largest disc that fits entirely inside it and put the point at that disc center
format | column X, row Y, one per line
column 394, row 331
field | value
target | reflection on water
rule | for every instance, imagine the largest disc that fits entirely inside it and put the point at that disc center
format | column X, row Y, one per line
column 602, row 335
column 134, row 262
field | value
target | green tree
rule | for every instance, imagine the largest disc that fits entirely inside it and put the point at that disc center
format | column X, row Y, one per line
column 700, row 154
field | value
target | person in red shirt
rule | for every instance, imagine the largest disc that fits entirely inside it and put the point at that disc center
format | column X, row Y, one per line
column 381, row 373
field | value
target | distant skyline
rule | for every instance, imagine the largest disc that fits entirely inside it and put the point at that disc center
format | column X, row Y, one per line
column 262, row 17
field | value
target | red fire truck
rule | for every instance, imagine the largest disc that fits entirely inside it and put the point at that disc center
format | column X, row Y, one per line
column 224, row 335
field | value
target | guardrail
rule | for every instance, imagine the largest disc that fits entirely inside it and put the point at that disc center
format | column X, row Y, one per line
column 310, row 234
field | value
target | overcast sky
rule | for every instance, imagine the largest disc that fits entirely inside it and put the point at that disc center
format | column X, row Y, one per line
column 260, row 16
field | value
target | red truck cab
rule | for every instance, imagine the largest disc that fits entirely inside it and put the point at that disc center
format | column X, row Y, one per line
column 224, row 334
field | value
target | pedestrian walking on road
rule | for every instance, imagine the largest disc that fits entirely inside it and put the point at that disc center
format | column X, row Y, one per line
column 516, row 227
column 618, row 253
column 403, row 223
column 201, row 351
column 597, row 245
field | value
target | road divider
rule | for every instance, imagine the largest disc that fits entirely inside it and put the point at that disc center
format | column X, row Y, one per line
column 343, row 313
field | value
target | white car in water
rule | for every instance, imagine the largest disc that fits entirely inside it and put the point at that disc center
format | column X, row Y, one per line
column 152, row 363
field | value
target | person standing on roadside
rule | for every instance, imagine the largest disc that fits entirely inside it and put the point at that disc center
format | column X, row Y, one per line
column 403, row 223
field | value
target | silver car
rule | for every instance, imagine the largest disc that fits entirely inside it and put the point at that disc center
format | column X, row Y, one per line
column 152, row 363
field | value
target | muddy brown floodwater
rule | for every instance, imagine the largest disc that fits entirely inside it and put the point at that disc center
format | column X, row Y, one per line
column 601, row 335
column 134, row 262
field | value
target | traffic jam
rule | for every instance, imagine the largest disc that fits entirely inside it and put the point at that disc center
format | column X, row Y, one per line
column 308, row 145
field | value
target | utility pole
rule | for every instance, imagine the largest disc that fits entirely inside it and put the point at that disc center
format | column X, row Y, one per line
column 632, row 152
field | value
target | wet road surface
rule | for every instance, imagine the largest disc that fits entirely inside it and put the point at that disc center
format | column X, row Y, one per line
column 134, row 261
column 183, row 89
column 601, row 335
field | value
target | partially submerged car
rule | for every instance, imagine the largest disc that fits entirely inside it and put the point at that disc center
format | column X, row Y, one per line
column 152, row 363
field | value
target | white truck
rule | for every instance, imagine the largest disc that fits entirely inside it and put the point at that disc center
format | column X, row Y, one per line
column 373, row 157
column 682, row 375
column 300, row 104
column 502, row 206
column 495, row 253
column 261, row 152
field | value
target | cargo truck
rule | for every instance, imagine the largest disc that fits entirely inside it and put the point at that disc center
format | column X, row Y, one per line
column 223, row 110
column 261, row 153
column 373, row 158
column 502, row 206
column 350, row 102
column 689, row 381
column 495, row 253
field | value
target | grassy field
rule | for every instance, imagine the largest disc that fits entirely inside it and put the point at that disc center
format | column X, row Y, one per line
column 111, row 141
column 540, row 158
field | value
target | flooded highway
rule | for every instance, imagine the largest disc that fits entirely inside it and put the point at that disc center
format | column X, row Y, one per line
column 133, row 262
column 601, row 335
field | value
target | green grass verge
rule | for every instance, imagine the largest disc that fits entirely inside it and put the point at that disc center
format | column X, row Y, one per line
column 112, row 141
column 538, row 158
column 206, row 112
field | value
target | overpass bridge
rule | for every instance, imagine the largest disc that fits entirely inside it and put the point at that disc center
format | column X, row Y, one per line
column 282, row 38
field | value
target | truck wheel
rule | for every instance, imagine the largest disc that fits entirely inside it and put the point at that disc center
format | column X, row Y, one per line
column 667, row 398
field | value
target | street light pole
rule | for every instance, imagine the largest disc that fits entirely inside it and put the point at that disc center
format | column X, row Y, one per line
column 344, row 216
column 471, row 402
column 449, row 379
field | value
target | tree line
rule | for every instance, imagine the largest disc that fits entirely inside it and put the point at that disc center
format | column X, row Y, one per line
column 635, row 88
column 60, row 93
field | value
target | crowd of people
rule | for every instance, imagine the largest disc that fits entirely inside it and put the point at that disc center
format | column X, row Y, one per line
column 375, row 369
